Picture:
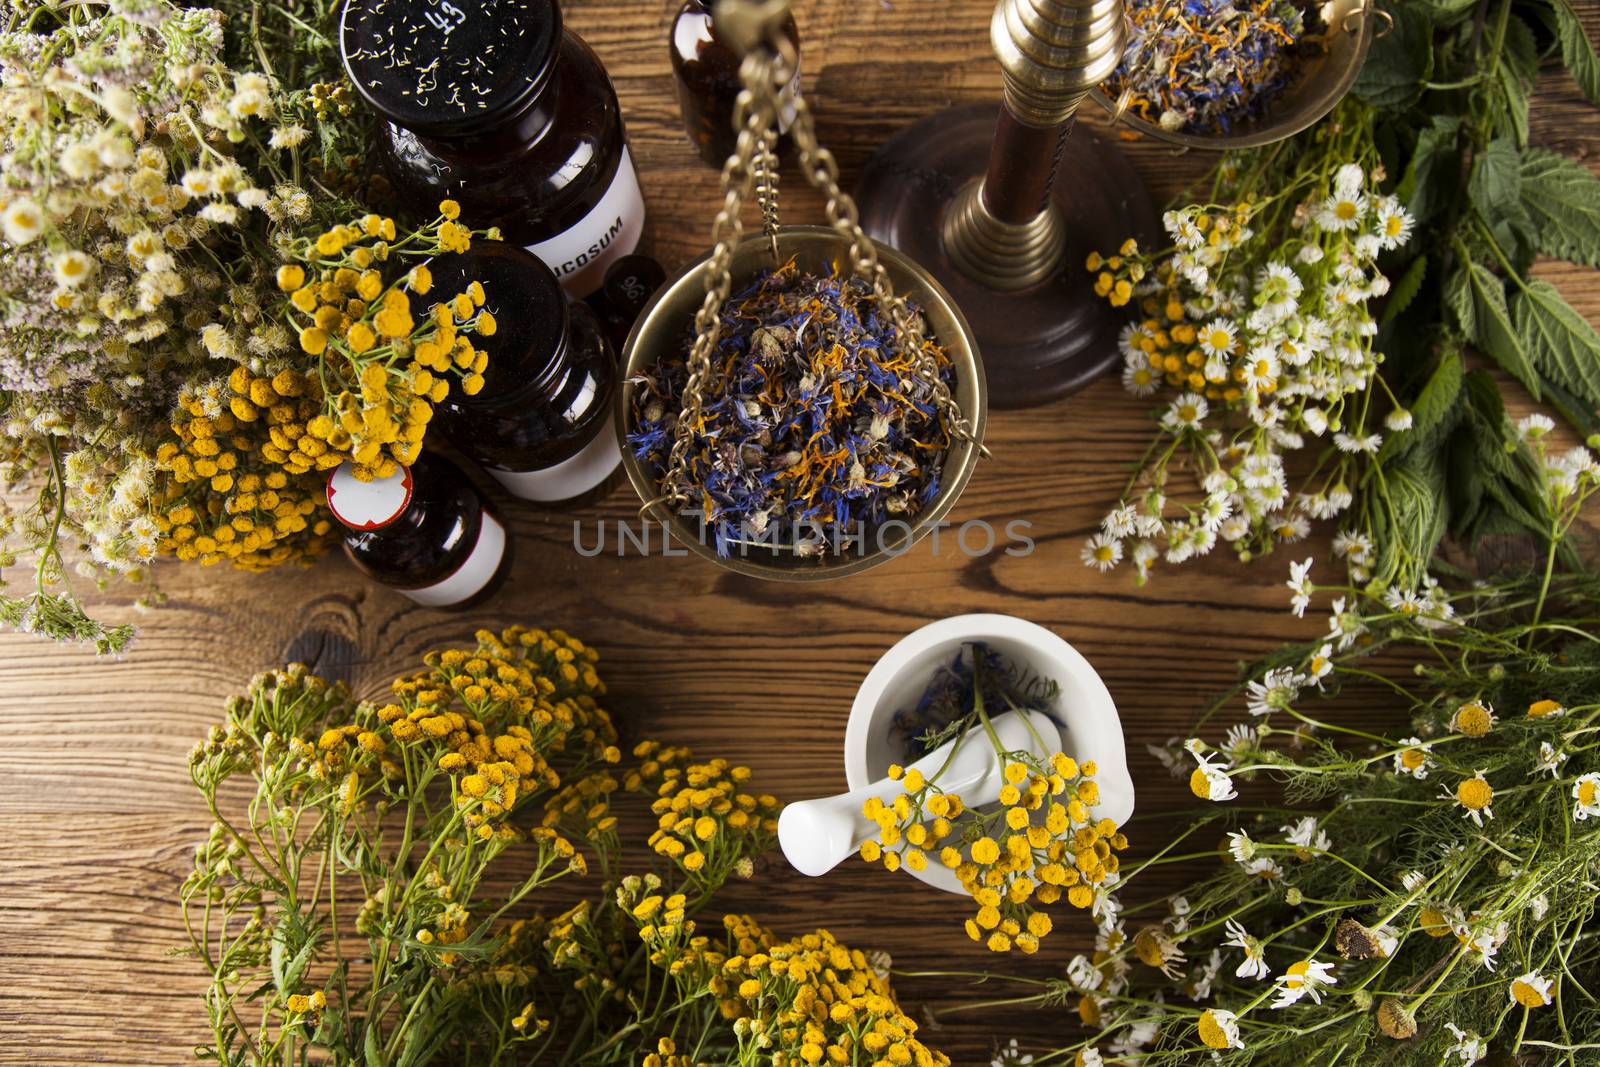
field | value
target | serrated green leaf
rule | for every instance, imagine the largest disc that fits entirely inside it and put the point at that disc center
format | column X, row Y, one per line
column 1577, row 51
column 1562, row 198
column 1495, row 334
column 1563, row 346
column 1433, row 172
column 1438, row 398
column 1400, row 61
column 1495, row 189
column 1458, row 298
column 1406, row 289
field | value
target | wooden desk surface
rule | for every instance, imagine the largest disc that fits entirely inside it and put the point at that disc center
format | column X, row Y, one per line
column 98, row 819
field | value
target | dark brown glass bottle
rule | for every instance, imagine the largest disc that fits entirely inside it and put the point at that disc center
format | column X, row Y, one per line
column 424, row 532
column 498, row 107
column 542, row 423
column 708, row 81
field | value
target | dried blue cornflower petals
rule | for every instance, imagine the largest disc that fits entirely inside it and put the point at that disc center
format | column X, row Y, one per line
column 816, row 428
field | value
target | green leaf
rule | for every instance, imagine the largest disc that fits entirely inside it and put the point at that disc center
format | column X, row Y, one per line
column 1406, row 289
column 1433, row 173
column 1399, row 62
column 1577, row 51
column 1559, row 342
column 1458, row 298
column 1495, row 189
column 1495, row 334
column 1438, row 398
column 1562, row 198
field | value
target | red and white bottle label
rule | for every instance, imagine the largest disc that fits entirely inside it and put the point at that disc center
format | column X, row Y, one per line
column 581, row 253
column 573, row 476
column 368, row 505
column 475, row 572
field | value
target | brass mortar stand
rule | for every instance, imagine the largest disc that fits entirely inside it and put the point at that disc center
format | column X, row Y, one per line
column 1003, row 212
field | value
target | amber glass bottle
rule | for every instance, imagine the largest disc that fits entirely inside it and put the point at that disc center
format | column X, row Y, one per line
column 424, row 531
column 498, row 107
column 542, row 423
column 708, row 81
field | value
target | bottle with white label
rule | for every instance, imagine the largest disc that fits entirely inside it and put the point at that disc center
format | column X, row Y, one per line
column 542, row 424
column 493, row 104
column 423, row 531
column 707, row 68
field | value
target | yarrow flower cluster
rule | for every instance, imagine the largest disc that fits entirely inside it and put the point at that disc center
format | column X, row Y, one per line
column 1256, row 325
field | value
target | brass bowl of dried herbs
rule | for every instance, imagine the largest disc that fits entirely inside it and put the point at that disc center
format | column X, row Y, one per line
column 820, row 454
column 1237, row 74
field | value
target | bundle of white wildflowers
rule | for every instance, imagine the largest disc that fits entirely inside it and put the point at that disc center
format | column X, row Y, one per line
column 377, row 886
column 1411, row 885
column 1255, row 329
column 180, row 286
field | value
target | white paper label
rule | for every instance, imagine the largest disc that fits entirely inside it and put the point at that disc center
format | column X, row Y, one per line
column 368, row 505
column 571, row 477
column 474, row 572
column 581, row 253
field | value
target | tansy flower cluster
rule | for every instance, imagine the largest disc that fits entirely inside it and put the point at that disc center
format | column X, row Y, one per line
column 379, row 362
column 221, row 497
column 1254, row 324
column 810, row 1000
column 418, row 805
column 1040, row 845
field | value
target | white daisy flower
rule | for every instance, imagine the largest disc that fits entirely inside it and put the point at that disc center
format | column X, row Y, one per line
column 1255, row 961
column 1277, row 690
column 1304, row 833
column 1219, row 1029
column 1468, row 1046
column 1299, row 583
column 1102, row 552
column 1217, row 337
column 1119, row 521
column 1586, row 796
column 1413, row 759
column 1531, row 990
column 1315, row 420
column 1240, row 737
column 1240, row 845
column 21, row 221
column 1307, row 978
column 1139, row 378
column 1394, row 223
column 1474, row 796
column 1532, row 427
column 1357, row 445
column 1210, row 781
column 1342, row 210
column 1550, row 759
column 1186, row 412
column 1309, row 254
column 1349, row 179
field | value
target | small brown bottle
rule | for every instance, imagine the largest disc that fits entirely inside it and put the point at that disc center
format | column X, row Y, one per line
column 423, row 531
column 542, row 423
column 494, row 104
column 708, row 81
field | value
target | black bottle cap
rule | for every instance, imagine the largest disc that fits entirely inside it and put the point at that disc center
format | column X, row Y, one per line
column 529, row 308
column 630, row 283
column 449, row 68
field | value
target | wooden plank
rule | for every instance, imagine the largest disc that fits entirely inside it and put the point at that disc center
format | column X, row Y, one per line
column 100, row 817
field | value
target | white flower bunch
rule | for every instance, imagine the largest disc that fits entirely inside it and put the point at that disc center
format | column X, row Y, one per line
column 1256, row 324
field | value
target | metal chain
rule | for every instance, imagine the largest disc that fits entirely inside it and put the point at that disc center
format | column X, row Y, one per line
column 767, row 74
column 755, row 112
column 822, row 171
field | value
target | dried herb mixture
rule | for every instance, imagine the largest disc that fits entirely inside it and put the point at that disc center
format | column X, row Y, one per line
column 813, row 421
column 1207, row 66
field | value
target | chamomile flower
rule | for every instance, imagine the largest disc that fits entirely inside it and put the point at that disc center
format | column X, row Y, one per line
column 71, row 268
column 1365, row 446
column 1299, row 584
column 1586, row 796
column 1546, row 709
column 1274, row 691
column 1468, row 1047
column 1343, row 210
column 21, row 220
column 1240, row 846
column 1255, row 959
column 1398, row 420
column 1550, row 759
column 1307, row 978
column 1210, row 781
column 1393, row 223
column 1413, row 758
column 1219, row 1029
column 1084, row 975
column 1217, row 337
column 1102, row 552
column 1320, row 665
column 1475, row 718
column 1532, row 427
column 1240, row 737
column 1186, row 412
column 1531, row 990
column 1139, row 378
column 1305, row 834
column 1349, row 179
column 1475, row 796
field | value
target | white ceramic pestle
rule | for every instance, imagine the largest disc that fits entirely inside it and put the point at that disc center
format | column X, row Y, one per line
column 817, row 835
